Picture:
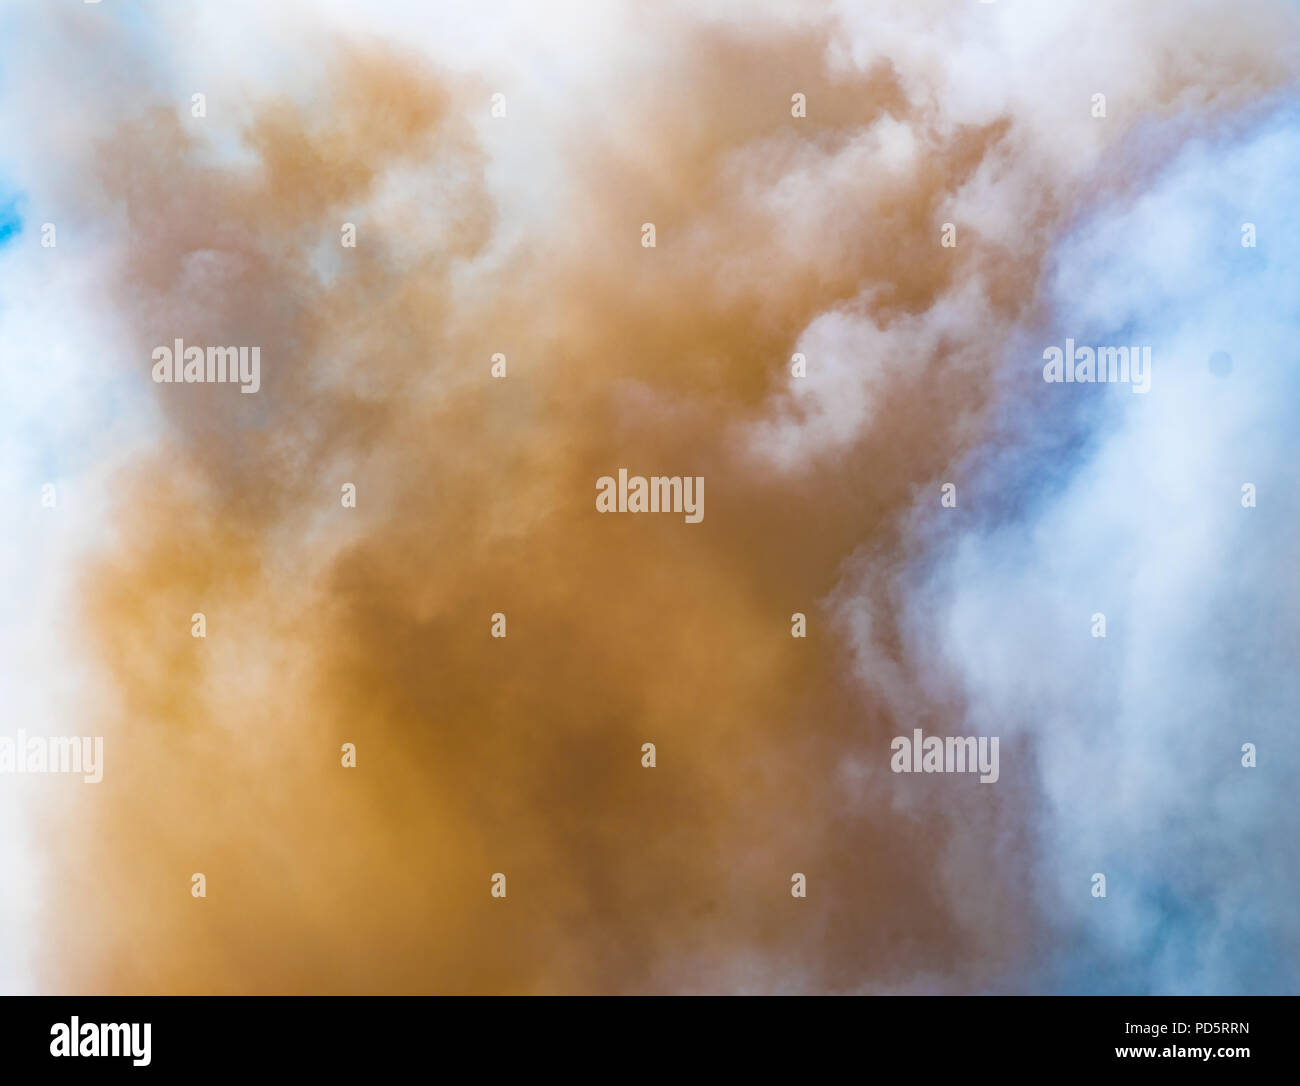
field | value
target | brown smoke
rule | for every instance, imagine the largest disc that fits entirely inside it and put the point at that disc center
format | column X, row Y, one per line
column 476, row 755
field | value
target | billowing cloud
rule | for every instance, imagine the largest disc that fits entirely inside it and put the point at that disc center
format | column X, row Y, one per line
column 775, row 234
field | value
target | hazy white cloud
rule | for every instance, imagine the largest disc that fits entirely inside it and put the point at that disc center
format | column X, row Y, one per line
column 1135, row 739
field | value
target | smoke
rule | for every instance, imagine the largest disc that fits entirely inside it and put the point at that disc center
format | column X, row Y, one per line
column 521, row 235
column 1139, row 739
